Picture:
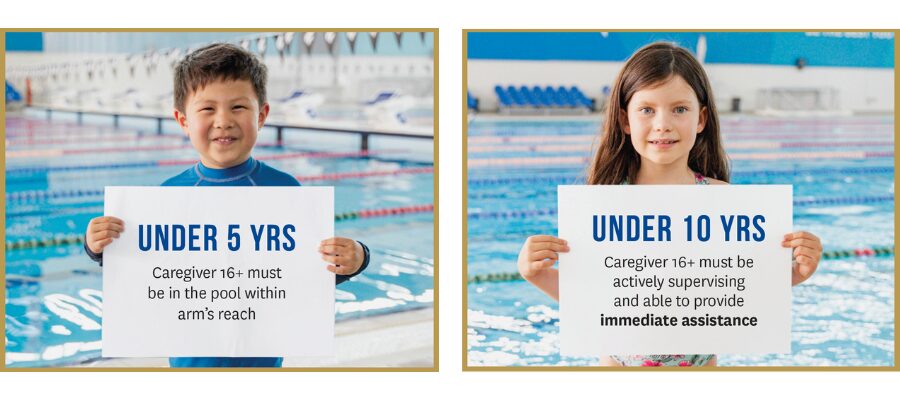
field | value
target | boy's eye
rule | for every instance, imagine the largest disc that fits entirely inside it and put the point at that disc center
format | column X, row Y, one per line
column 239, row 107
column 206, row 109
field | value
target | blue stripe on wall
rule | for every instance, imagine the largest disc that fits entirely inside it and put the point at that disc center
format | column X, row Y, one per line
column 874, row 50
column 24, row 41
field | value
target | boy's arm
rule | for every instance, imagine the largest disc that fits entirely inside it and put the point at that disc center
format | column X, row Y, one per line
column 339, row 279
column 94, row 256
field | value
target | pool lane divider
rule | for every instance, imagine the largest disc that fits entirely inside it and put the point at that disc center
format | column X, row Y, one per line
column 515, row 214
column 580, row 148
column 874, row 251
column 575, row 160
column 33, row 195
column 101, row 150
column 63, row 240
column 190, row 161
column 95, row 139
column 576, row 179
column 727, row 138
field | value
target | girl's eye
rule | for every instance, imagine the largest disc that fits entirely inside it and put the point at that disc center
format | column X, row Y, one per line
column 680, row 110
column 645, row 110
column 206, row 109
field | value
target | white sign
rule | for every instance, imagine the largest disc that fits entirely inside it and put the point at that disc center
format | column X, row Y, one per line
column 674, row 269
column 218, row 272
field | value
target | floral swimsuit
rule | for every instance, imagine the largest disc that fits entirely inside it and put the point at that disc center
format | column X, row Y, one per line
column 667, row 360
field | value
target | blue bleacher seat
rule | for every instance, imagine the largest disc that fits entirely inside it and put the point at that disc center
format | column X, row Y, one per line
column 566, row 97
column 471, row 101
column 12, row 95
column 382, row 96
column 294, row 95
column 581, row 99
column 546, row 97
column 518, row 97
column 503, row 97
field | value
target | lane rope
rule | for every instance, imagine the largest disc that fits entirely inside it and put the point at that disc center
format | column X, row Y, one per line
column 515, row 214
column 35, row 195
column 72, row 239
column 574, row 179
column 873, row 251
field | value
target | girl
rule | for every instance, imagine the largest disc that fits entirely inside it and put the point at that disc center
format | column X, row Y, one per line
column 661, row 127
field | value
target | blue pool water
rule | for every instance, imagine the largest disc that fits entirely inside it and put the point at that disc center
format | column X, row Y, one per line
column 842, row 316
column 53, row 294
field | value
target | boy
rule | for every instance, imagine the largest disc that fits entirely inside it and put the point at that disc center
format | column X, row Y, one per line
column 220, row 104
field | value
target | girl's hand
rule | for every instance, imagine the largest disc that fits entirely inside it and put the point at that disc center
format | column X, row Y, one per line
column 538, row 254
column 345, row 255
column 807, row 253
column 101, row 231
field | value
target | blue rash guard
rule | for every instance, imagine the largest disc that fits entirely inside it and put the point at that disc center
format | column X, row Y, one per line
column 250, row 173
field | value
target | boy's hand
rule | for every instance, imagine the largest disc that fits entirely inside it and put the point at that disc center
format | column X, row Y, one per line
column 101, row 231
column 539, row 253
column 345, row 255
column 807, row 253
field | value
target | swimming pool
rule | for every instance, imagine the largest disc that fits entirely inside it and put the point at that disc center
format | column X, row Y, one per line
column 55, row 174
column 842, row 169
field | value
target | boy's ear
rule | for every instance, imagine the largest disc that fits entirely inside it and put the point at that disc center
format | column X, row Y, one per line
column 702, row 124
column 181, row 119
column 623, row 118
column 263, row 114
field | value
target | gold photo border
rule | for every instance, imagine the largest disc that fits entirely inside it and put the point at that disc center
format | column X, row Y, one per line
column 435, row 307
column 465, row 230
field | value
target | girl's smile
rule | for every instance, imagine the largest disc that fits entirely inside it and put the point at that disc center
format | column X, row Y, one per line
column 663, row 144
column 663, row 122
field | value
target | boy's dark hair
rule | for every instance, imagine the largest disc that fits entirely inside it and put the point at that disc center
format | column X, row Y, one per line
column 616, row 160
column 218, row 61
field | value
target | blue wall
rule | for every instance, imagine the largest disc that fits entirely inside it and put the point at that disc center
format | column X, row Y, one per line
column 770, row 48
column 24, row 41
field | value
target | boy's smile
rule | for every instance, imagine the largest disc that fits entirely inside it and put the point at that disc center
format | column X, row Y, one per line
column 222, row 120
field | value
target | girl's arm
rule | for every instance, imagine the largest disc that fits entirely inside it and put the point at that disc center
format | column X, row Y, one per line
column 538, row 255
column 807, row 253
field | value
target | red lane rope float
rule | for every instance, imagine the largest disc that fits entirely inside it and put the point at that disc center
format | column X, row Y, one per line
column 520, row 161
column 825, row 154
column 531, row 139
column 81, row 131
column 787, row 121
column 189, row 161
column 361, row 214
column 726, row 136
column 365, row 174
column 66, row 152
column 93, row 139
column 384, row 212
column 551, row 148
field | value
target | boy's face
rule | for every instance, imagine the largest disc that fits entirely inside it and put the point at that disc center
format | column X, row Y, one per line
column 222, row 119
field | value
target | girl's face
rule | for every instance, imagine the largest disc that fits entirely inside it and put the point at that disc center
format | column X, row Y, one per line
column 663, row 122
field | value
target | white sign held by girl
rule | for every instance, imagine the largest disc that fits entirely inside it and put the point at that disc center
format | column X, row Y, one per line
column 674, row 269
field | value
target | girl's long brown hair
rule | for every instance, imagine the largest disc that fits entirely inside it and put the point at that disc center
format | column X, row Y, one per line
column 615, row 160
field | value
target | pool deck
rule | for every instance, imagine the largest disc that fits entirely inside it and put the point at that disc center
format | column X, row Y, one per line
column 398, row 340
